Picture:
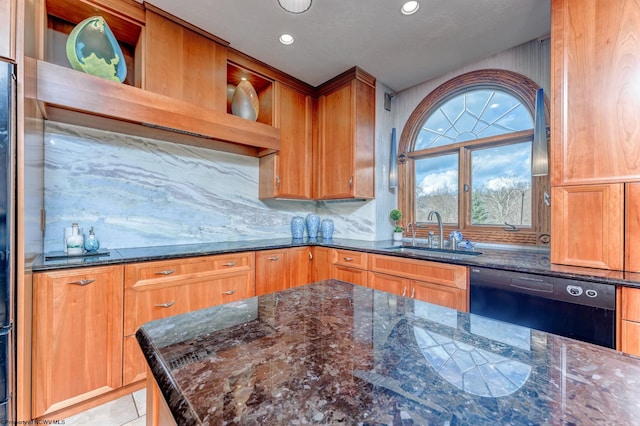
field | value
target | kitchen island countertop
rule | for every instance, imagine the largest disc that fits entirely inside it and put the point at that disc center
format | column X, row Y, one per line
column 331, row 352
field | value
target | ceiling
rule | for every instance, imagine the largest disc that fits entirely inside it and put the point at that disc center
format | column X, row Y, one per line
column 334, row 35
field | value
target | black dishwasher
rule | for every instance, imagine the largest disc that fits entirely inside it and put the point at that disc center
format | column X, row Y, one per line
column 578, row 309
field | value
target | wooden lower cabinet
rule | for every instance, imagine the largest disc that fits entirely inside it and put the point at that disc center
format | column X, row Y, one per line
column 349, row 266
column 77, row 336
column 350, row 275
column 438, row 283
column 300, row 265
column 272, row 272
column 321, row 265
column 629, row 306
column 155, row 290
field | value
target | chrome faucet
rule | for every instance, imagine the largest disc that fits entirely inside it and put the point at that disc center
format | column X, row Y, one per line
column 439, row 219
column 412, row 226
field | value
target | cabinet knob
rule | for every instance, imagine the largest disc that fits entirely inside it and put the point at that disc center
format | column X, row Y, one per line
column 165, row 272
column 229, row 292
column 230, row 264
column 273, row 258
column 165, row 305
column 277, row 180
column 82, row 282
column 348, row 259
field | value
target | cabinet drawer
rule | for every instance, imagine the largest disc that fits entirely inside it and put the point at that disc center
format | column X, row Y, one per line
column 630, row 299
column 168, row 272
column 630, row 337
column 147, row 303
column 450, row 297
column 389, row 283
column 352, row 259
column 422, row 270
column 350, row 275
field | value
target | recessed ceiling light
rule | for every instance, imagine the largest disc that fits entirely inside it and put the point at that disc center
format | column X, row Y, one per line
column 295, row 6
column 286, row 39
column 410, row 7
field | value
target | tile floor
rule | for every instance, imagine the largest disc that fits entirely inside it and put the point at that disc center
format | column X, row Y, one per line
column 128, row 410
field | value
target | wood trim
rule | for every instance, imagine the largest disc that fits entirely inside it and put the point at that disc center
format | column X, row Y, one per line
column 169, row 16
column 355, row 73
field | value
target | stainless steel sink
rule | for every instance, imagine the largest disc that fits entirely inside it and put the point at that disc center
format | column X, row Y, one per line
column 414, row 249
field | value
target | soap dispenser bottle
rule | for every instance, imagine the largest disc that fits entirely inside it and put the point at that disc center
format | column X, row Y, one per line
column 75, row 241
column 91, row 244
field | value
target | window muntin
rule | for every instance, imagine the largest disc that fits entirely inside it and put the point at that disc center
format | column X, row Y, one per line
column 501, row 185
column 474, row 114
column 437, row 187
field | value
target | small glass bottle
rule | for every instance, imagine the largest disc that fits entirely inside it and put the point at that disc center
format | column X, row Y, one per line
column 75, row 241
column 91, row 244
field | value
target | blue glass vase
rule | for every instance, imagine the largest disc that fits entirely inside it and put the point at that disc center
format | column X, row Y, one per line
column 297, row 227
column 313, row 225
column 326, row 227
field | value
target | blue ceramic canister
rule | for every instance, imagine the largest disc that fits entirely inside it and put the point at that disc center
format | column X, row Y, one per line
column 326, row 227
column 313, row 225
column 297, row 227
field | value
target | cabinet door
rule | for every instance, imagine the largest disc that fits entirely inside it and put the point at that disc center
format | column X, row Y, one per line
column 632, row 227
column 595, row 92
column 389, row 283
column 300, row 260
column 77, row 336
column 335, row 160
column 7, row 28
column 587, row 226
column 450, row 297
column 287, row 173
column 185, row 65
column 321, row 264
column 271, row 271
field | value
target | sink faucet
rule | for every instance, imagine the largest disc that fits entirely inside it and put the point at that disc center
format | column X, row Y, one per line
column 439, row 219
column 412, row 226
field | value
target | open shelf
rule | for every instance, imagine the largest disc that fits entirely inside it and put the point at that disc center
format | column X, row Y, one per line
column 262, row 86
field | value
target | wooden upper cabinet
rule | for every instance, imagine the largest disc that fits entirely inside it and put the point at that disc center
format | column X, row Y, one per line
column 345, row 160
column 183, row 63
column 595, row 64
column 77, row 336
column 587, row 226
column 287, row 173
column 7, row 29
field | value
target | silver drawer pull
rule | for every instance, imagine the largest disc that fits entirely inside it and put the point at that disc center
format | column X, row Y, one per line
column 82, row 282
column 413, row 293
column 230, row 264
column 348, row 259
column 165, row 305
column 229, row 292
column 273, row 258
column 404, row 292
column 165, row 272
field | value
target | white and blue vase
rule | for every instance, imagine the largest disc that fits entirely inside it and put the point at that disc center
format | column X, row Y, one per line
column 326, row 227
column 297, row 227
column 313, row 225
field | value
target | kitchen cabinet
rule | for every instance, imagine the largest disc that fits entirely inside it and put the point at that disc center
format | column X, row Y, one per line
column 272, row 272
column 595, row 63
column 439, row 283
column 629, row 306
column 344, row 156
column 632, row 227
column 349, row 266
column 287, row 172
column 300, row 264
column 184, row 63
column 77, row 336
column 155, row 290
column 7, row 29
column 587, row 225
column 321, row 265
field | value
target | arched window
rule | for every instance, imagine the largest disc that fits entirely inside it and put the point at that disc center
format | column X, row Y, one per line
column 466, row 153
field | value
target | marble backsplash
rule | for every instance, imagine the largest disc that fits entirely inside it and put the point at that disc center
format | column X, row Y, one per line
column 139, row 192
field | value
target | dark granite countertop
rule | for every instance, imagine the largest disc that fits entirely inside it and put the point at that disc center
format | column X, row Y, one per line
column 513, row 258
column 331, row 352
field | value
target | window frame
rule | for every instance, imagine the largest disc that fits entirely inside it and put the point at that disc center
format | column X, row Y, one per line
column 521, row 87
